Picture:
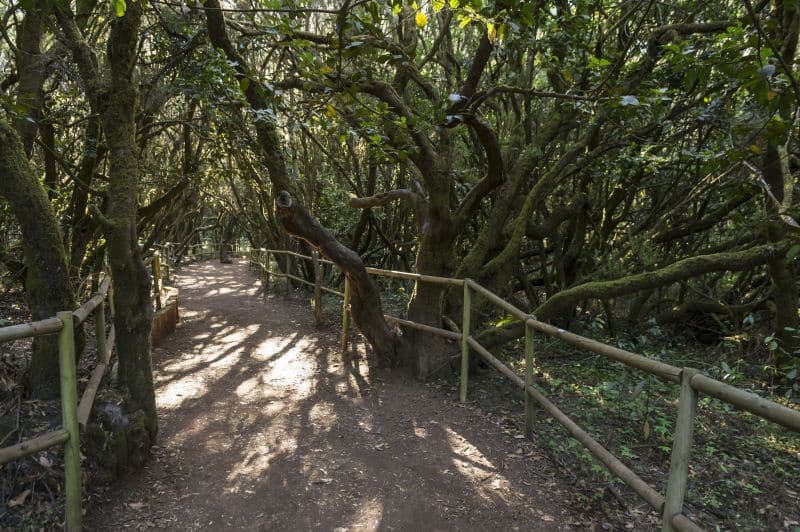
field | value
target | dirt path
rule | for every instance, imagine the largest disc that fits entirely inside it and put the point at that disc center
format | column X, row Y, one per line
column 263, row 427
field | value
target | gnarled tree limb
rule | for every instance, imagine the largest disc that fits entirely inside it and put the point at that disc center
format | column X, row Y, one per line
column 415, row 201
column 365, row 303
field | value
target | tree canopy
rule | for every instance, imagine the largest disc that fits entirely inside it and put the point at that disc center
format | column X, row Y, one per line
column 635, row 159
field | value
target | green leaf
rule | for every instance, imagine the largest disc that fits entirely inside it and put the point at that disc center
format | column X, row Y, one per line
column 491, row 32
column 793, row 252
column 505, row 321
column 598, row 62
column 690, row 79
column 119, row 7
column 244, row 83
column 373, row 11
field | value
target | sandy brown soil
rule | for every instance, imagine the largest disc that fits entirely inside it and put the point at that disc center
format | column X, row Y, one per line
column 265, row 427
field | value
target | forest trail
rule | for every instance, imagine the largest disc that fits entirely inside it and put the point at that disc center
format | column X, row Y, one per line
column 264, row 427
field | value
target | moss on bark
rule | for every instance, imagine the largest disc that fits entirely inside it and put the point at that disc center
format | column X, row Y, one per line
column 48, row 287
column 563, row 303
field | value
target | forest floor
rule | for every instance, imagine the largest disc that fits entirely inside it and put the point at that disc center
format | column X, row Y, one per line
column 264, row 426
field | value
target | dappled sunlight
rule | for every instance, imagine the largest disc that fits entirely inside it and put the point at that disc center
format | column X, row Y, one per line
column 274, row 345
column 175, row 393
column 284, row 432
column 472, row 464
column 238, row 335
column 255, row 462
column 323, row 416
column 220, row 292
column 250, row 387
column 368, row 515
column 260, row 451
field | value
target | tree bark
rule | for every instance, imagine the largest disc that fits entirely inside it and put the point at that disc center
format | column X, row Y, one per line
column 563, row 303
column 365, row 302
column 31, row 68
column 131, row 280
column 112, row 91
column 48, row 285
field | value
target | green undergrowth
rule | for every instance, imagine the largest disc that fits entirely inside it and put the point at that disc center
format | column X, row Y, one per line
column 744, row 471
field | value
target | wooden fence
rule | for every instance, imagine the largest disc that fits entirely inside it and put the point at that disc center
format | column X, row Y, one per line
column 75, row 414
column 195, row 252
column 691, row 381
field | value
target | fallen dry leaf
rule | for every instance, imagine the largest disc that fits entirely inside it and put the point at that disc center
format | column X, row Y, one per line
column 45, row 462
column 19, row 499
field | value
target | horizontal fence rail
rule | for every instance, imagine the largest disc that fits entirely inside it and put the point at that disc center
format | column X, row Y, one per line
column 75, row 411
column 691, row 381
column 198, row 252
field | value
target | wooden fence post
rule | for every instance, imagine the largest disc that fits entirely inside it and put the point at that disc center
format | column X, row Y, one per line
column 166, row 264
column 111, row 309
column 69, row 413
column 157, row 279
column 288, row 271
column 266, row 270
column 345, row 314
column 465, row 325
column 681, row 450
column 528, row 380
column 100, row 329
column 318, row 319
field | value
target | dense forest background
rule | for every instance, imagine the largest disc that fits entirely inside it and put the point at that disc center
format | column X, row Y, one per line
column 614, row 166
column 632, row 158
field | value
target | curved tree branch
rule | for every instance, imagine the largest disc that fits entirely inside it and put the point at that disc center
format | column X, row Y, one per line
column 416, row 201
column 495, row 172
column 366, row 302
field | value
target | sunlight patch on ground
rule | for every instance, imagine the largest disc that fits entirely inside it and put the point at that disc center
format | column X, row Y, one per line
column 322, row 415
column 173, row 394
column 275, row 345
column 238, row 335
column 368, row 516
column 420, row 432
column 250, row 388
column 221, row 291
column 471, row 463
column 259, row 455
column 218, row 441
column 285, row 364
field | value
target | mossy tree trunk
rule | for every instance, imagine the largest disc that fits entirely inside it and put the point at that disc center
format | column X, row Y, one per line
column 48, row 285
column 131, row 280
column 778, row 198
column 31, row 68
column 113, row 92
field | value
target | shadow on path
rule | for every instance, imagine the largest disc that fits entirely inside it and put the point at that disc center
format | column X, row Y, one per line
column 265, row 427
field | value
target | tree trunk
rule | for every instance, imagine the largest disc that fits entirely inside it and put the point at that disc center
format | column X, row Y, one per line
column 48, row 286
column 563, row 303
column 434, row 257
column 365, row 302
column 31, row 68
column 131, row 280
